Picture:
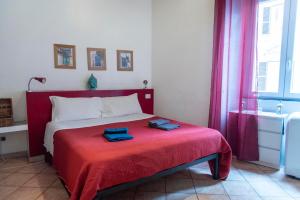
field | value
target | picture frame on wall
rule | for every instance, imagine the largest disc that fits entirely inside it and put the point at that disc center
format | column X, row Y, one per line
column 96, row 59
column 64, row 56
column 125, row 60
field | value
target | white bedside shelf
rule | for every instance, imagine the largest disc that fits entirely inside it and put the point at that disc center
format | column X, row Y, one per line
column 16, row 127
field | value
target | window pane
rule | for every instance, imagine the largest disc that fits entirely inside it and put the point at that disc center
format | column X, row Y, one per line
column 266, row 14
column 295, row 81
column 261, row 83
column 262, row 69
column 266, row 20
column 269, row 37
column 266, row 28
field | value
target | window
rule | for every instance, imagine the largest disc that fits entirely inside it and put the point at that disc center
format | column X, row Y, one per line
column 270, row 24
column 262, row 76
column 266, row 20
column 277, row 72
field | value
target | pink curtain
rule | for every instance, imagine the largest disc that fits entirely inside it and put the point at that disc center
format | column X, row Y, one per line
column 233, row 105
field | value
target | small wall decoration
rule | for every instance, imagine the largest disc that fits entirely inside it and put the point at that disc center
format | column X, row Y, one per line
column 96, row 58
column 92, row 82
column 64, row 56
column 125, row 60
column 6, row 113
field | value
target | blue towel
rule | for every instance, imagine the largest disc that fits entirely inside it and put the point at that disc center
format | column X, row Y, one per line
column 168, row 127
column 117, row 137
column 158, row 122
column 115, row 130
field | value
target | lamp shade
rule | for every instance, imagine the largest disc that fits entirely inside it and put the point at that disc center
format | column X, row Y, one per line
column 39, row 79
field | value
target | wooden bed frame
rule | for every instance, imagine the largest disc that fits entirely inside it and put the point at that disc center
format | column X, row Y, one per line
column 214, row 157
column 117, row 188
column 39, row 114
column 104, row 193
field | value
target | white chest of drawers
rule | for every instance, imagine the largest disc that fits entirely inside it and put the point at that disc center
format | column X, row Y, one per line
column 271, row 138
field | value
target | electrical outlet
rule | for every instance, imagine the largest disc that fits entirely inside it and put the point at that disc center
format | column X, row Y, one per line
column 147, row 96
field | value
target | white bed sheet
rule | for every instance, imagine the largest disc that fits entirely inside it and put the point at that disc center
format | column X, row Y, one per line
column 53, row 127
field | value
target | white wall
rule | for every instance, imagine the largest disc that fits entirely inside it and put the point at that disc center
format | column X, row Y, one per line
column 182, row 50
column 182, row 58
column 29, row 28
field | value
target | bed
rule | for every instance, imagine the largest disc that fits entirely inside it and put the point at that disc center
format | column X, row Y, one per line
column 92, row 168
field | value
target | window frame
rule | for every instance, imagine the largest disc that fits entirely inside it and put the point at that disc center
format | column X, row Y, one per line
column 290, row 50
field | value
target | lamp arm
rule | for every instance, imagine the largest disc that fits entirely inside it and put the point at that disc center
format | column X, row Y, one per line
column 28, row 87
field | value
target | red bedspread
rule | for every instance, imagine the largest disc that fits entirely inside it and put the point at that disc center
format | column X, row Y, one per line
column 88, row 163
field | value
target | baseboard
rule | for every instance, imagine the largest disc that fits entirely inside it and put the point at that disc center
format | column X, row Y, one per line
column 36, row 158
column 266, row 164
column 15, row 155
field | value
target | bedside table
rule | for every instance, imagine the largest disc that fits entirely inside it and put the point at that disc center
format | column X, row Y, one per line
column 16, row 127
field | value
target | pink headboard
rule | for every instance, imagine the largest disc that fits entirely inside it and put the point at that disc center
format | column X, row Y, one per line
column 39, row 110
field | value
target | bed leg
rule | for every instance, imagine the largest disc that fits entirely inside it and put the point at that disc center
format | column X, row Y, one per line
column 99, row 196
column 216, row 175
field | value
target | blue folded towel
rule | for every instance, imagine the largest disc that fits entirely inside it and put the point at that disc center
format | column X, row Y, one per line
column 115, row 130
column 168, row 127
column 158, row 122
column 115, row 137
column 163, row 124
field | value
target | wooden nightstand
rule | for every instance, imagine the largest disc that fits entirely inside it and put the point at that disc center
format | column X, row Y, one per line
column 16, row 127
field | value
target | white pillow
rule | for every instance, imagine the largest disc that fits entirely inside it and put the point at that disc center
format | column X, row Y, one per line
column 121, row 105
column 65, row 109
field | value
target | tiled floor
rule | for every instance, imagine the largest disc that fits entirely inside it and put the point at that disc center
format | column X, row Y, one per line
column 37, row 181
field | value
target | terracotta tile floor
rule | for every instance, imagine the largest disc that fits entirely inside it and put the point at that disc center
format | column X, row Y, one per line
column 20, row 180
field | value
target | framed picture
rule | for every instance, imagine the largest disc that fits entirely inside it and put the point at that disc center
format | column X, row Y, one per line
column 96, row 58
column 64, row 56
column 125, row 60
